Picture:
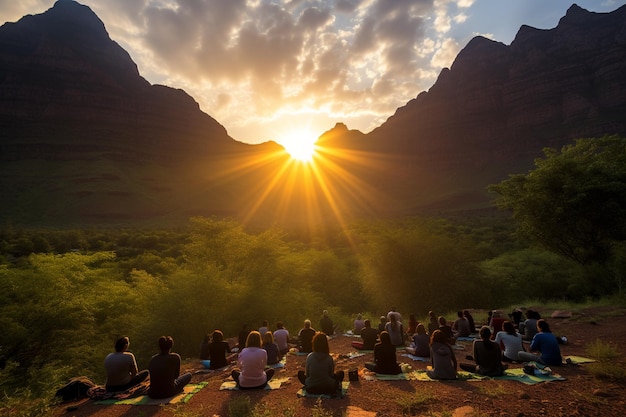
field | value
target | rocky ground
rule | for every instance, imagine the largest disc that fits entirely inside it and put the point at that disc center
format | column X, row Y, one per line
column 581, row 394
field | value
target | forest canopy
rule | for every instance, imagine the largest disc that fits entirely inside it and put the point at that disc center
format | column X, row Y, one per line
column 67, row 295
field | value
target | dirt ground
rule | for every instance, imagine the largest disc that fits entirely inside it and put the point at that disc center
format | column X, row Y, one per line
column 581, row 394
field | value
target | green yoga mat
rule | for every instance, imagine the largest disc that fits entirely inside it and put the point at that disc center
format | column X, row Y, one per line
column 183, row 397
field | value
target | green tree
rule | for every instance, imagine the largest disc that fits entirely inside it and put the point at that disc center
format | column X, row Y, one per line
column 574, row 201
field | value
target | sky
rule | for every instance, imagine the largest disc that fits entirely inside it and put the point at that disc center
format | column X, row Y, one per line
column 267, row 68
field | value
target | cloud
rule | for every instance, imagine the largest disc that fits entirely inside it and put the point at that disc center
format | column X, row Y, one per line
column 445, row 53
column 250, row 62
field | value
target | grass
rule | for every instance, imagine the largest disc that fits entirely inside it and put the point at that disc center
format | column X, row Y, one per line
column 319, row 411
column 605, row 367
column 415, row 403
column 493, row 390
column 242, row 407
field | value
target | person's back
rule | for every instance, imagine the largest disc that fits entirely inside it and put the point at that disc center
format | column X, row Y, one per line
column 396, row 332
column 281, row 337
column 121, row 368
column 422, row 349
column 218, row 349
column 118, row 367
column 441, row 356
column 164, row 367
column 548, row 346
column 497, row 321
column 319, row 368
column 488, row 358
column 306, row 337
column 461, row 326
column 359, row 324
column 443, row 360
column 326, row 324
column 529, row 328
column 511, row 340
column 369, row 337
column 251, row 362
column 385, row 357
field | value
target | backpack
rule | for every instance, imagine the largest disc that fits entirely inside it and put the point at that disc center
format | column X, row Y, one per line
column 75, row 389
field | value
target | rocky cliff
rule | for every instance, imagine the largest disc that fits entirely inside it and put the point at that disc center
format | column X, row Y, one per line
column 66, row 88
column 495, row 109
column 85, row 139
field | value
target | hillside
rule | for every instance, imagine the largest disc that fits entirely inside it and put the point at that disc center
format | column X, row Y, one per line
column 86, row 140
column 580, row 394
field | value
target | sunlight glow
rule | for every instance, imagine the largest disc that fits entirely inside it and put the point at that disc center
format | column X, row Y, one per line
column 300, row 144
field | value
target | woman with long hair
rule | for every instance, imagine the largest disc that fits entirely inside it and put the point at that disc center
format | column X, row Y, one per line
column 273, row 353
column 251, row 363
column 442, row 357
column 219, row 351
column 384, row 357
column 319, row 376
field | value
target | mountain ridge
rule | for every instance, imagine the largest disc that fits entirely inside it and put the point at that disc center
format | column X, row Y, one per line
column 86, row 139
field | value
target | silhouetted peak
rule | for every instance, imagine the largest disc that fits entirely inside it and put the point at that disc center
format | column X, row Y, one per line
column 575, row 15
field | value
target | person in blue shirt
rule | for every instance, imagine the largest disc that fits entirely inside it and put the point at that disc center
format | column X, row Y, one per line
column 547, row 346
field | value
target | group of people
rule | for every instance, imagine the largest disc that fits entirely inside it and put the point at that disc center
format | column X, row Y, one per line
column 490, row 350
column 163, row 370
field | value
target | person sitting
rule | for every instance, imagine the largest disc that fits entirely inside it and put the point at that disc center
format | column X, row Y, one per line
column 165, row 378
column 546, row 344
column 442, row 357
column 264, row 327
column 410, row 331
column 243, row 336
column 381, row 324
column 470, row 320
column 204, row 347
column 368, row 336
column 512, row 342
column 433, row 322
column 281, row 337
column 326, row 324
column 384, row 357
column 496, row 321
column 420, row 343
column 319, row 376
column 516, row 316
column 121, row 368
column 446, row 329
column 394, row 312
column 305, row 337
column 395, row 330
column 461, row 327
column 273, row 353
column 487, row 355
column 251, row 362
column 528, row 328
column 358, row 324
column 219, row 349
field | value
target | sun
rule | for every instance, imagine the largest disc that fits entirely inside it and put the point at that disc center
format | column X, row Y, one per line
column 300, row 144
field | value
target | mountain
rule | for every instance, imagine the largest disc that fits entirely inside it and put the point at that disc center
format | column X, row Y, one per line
column 85, row 140
column 498, row 106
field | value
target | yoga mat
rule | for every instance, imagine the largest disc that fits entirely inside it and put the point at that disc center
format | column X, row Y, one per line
column 577, row 360
column 416, row 358
column 273, row 384
column 183, row 397
column 519, row 376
